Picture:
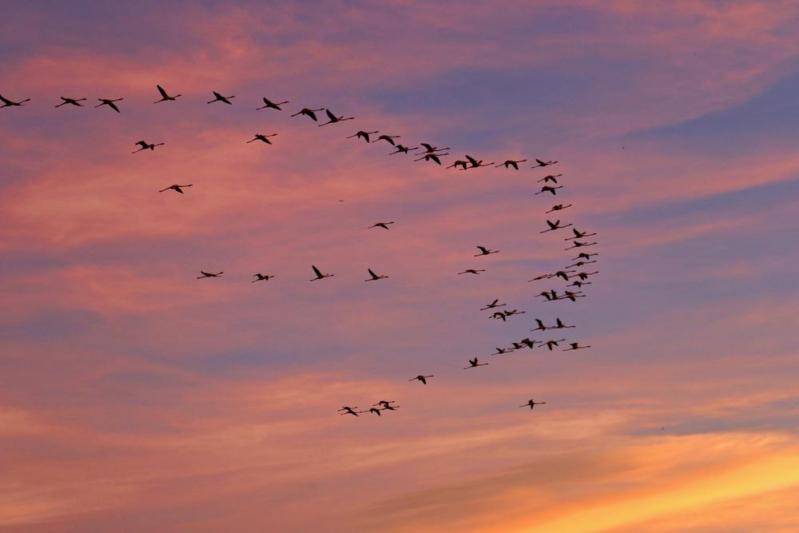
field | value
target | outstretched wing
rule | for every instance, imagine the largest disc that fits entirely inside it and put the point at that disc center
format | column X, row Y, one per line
column 317, row 271
column 162, row 91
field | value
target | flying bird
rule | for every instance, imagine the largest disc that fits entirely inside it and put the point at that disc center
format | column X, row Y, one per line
column 502, row 351
column 373, row 276
column 580, row 244
column 579, row 235
column 550, row 179
column 554, row 226
column 12, row 103
column 263, row 138
column 262, row 277
column 347, row 410
column 430, row 156
column 361, row 134
column 388, row 138
column 544, row 163
column 319, row 274
column 558, row 207
column 473, row 363
column 110, row 103
column 472, row 271
column 383, row 225
column 402, row 149
column 511, row 163
column 551, row 343
column 205, row 274
column 485, row 251
column 269, row 104
column 71, row 101
column 549, row 189
column 492, row 305
column 165, row 96
column 560, row 325
column 429, row 148
column 531, row 404
column 144, row 145
column 219, row 98
column 332, row 118
column 176, row 188
column 574, row 346
column 474, row 163
column 310, row 113
column 422, row 378
column 585, row 255
column 459, row 163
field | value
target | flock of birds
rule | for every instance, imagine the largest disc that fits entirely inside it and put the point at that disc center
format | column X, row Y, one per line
column 571, row 274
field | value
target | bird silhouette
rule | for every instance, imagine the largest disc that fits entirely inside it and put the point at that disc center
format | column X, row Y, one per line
column 550, row 179
column 388, row 138
column 262, row 277
column 205, row 274
column 165, row 96
column 373, row 276
column 269, row 104
column 429, row 148
column 541, row 326
column 347, row 410
column 560, row 325
column 374, row 410
column 574, row 346
column 544, row 163
column 319, row 274
column 263, row 138
column 402, row 149
column 485, row 251
column 585, row 255
column 511, row 163
column 571, row 295
column 383, row 225
column 459, row 163
column 558, row 207
column 219, row 98
column 472, row 271
column 434, row 157
column 473, row 363
column 580, row 244
column 531, row 404
column 474, row 163
column 11, row 103
column 361, row 134
column 549, row 189
column 144, row 145
column 502, row 351
column 530, row 343
column 492, row 305
column 110, row 103
column 332, row 118
column 71, row 101
column 385, row 403
column 499, row 315
column 176, row 188
column 310, row 113
column 554, row 226
column 422, row 378
column 581, row 263
column 550, row 344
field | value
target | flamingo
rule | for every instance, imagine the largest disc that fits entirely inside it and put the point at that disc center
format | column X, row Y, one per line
column 473, row 363
column 550, row 343
column 571, row 295
column 332, row 118
column 579, row 284
column 263, row 138
column 544, row 163
column 581, row 263
column 554, row 226
column 574, row 346
column 430, row 156
column 363, row 135
column 485, row 251
column 530, row 343
column 579, row 235
column 422, row 378
column 310, row 113
column 585, row 255
column 492, row 305
column 429, row 148
column 205, row 274
column 383, row 225
column 502, row 351
column 474, row 163
column 384, row 403
column 499, row 315
column 579, row 244
column 262, row 277
column 165, row 96
column 511, row 163
column 12, row 103
column 388, row 138
column 558, row 207
column 269, row 104
column 176, row 188
column 319, row 274
column 550, row 179
column 71, row 101
column 373, row 276
column 560, row 325
column 219, row 98
column 402, row 149
column 347, row 410
column 474, row 271
column 531, row 404
column 549, row 189
column 144, row 145
column 459, row 163
column 110, row 103
column 549, row 296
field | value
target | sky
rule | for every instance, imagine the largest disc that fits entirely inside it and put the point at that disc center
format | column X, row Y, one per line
column 134, row 397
